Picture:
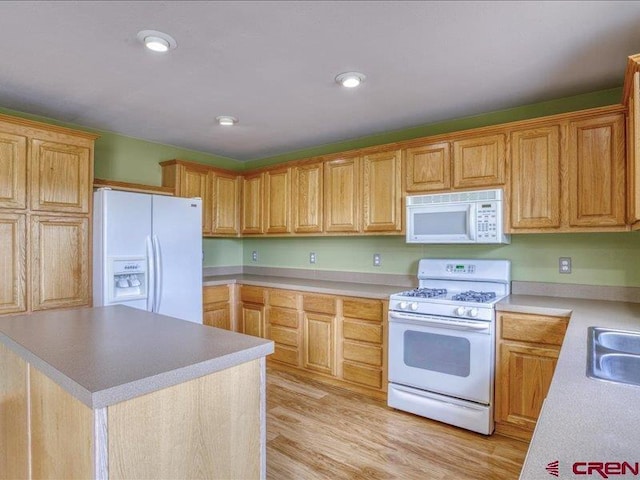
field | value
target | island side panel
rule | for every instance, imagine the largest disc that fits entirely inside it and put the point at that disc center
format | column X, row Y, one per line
column 204, row 428
column 14, row 447
column 61, row 431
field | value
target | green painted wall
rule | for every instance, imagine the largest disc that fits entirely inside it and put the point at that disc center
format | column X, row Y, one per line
column 605, row 259
column 597, row 258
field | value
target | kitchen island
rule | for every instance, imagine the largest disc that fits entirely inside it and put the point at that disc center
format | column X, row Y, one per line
column 115, row 392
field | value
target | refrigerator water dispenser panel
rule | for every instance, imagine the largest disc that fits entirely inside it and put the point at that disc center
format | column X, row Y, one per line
column 128, row 277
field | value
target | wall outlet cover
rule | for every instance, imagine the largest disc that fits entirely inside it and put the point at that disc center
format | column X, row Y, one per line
column 312, row 257
column 254, row 256
column 564, row 265
column 377, row 259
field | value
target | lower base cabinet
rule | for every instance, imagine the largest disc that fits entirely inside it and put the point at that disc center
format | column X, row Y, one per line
column 526, row 355
column 216, row 308
column 319, row 343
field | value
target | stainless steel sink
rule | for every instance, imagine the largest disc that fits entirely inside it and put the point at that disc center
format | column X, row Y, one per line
column 614, row 355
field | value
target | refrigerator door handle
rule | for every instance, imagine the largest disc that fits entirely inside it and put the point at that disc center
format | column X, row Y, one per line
column 158, row 265
column 151, row 276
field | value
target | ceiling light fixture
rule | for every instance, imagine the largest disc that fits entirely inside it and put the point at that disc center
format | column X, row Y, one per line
column 226, row 120
column 157, row 41
column 350, row 79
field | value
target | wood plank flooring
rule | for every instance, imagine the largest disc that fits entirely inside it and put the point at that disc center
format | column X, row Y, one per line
column 316, row 431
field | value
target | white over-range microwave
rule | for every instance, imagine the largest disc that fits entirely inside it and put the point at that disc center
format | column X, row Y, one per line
column 460, row 217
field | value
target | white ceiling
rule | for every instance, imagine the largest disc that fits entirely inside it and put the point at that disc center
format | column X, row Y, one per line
column 272, row 64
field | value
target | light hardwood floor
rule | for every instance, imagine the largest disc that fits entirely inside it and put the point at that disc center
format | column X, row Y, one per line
column 315, row 431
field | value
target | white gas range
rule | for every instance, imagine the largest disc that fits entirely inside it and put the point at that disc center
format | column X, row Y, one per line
column 442, row 341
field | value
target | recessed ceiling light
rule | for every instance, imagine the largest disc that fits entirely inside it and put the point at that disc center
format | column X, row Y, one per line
column 350, row 79
column 157, row 41
column 226, row 120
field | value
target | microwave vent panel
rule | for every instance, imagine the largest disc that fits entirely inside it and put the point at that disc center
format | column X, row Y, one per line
column 458, row 197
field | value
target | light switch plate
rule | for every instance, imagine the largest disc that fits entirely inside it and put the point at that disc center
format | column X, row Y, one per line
column 254, row 256
column 312, row 257
column 377, row 259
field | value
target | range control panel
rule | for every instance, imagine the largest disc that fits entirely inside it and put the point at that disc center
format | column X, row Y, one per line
column 461, row 268
column 487, row 221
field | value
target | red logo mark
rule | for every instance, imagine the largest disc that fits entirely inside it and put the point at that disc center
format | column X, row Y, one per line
column 606, row 469
column 553, row 468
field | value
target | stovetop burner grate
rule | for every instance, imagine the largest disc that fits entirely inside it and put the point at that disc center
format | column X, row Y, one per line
column 425, row 292
column 473, row 296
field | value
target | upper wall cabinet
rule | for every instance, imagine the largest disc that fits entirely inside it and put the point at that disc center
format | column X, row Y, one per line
column 535, row 178
column 189, row 180
column 277, row 201
column 479, row 161
column 251, row 217
column 427, row 168
column 13, row 258
column 381, row 192
column 307, row 198
column 596, row 171
column 341, row 195
column 633, row 152
column 13, row 171
column 225, row 203
column 61, row 178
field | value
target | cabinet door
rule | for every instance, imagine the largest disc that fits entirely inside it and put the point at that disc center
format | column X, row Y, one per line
column 277, row 191
column 633, row 154
column 382, row 196
column 193, row 183
column 479, row 162
column 13, row 176
column 428, row 168
column 319, row 343
column 535, row 178
column 60, row 177
column 597, row 171
column 13, row 263
column 60, row 262
column 225, row 204
column 307, row 198
column 522, row 383
column 218, row 315
column 252, row 204
column 342, row 195
column 252, row 321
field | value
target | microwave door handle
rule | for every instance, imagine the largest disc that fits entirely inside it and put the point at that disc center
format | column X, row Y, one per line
column 471, row 228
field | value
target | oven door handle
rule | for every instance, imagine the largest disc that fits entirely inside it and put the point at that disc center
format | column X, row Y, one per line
column 426, row 320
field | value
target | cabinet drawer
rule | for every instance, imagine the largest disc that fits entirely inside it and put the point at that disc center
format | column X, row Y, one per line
column 533, row 328
column 358, row 352
column 319, row 303
column 285, row 336
column 371, row 377
column 362, row 308
column 283, row 298
column 285, row 355
column 252, row 294
column 215, row 294
column 283, row 316
column 366, row 332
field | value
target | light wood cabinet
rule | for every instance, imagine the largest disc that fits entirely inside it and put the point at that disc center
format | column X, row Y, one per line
column 252, row 311
column 319, row 342
column 13, row 171
column 479, row 162
column 283, row 319
column 633, row 151
column 596, row 171
column 61, row 178
column 535, row 178
column 13, row 262
column 427, row 168
column 225, row 204
column 382, row 192
column 60, row 262
column 307, row 198
column 527, row 352
column 216, row 306
column 252, row 204
column 277, row 201
column 341, row 195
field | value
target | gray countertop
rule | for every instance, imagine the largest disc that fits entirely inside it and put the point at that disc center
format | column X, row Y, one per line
column 350, row 289
column 107, row 355
column 582, row 419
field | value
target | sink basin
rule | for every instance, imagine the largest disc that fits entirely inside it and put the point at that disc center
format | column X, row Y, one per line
column 614, row 355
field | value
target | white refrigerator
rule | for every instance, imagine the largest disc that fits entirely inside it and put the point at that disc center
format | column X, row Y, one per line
column 147, row 253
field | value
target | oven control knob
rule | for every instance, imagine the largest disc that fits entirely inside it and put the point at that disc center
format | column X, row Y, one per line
column 402, row 305
column 460, row 311
column 414, row 306
column 473, row 312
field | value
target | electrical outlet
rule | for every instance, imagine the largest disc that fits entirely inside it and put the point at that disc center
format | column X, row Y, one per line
column 564, row 264
column 312, row 257
column 377, row 259
column 254, row 256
